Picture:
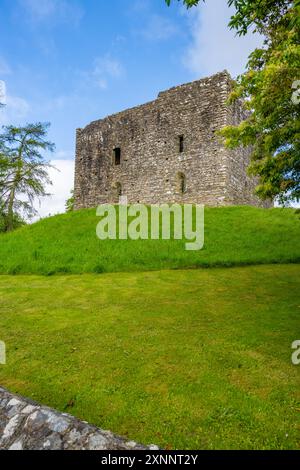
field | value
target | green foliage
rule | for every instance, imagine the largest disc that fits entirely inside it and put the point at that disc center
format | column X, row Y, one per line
column 23, row 170
column 234, row 236
column 196, row 359
column 17, row 222
column 187, row 3
column 273, row 125
column 259, row 14
column 70, row 202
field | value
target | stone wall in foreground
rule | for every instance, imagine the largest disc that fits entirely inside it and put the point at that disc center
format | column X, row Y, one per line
column 25, row 425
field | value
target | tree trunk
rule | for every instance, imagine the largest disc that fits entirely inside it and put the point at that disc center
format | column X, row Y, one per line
column 10, row 211
column 12, row 195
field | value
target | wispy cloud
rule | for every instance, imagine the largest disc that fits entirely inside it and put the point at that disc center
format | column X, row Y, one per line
column 2, row 92
column 104, row 69
column 4, row 67
column 16, row 110
column 158, row 28
column 56, row 11
column 214, row 46
column 138, row 6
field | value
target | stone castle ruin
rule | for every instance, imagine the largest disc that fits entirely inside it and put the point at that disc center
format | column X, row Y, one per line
column 166, row 151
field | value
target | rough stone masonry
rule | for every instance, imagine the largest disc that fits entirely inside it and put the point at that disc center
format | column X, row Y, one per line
column 166, row 151
column 25, row 425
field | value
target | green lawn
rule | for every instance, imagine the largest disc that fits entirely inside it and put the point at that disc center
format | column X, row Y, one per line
column 234, row 236
column 184, row 359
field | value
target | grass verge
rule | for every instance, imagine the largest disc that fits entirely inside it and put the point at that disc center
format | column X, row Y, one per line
column 184, row 359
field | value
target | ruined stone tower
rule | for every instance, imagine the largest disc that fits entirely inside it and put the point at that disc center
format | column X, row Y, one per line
column 166, row 151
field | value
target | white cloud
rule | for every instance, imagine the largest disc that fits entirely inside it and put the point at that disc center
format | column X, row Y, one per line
column 104, row 69
column 139, row 6
column 2, row 92
column 16, row 110
column 39, row 9
column 158, row 28
column 4, row 67
column 56, row 103
column 214, row 46
column 63, row 182
column 65, row 11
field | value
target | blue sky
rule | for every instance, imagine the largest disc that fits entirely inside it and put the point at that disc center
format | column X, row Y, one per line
column 73, row 61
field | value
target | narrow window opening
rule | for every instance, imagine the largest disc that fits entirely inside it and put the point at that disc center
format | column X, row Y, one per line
column 181, row 183
column 181, row 144
column 119, row 189
column 117, row 156
column 117, row 192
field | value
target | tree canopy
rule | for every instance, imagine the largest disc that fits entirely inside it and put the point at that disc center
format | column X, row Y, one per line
column 270, row 90
column 23, row 169
column 258, row 13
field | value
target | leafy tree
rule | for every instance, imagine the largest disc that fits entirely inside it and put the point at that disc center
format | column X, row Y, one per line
column 17, row 222
column 70, row 202
column 1, row 166
column 267, row 87
column 23, row 170
column 258, row 13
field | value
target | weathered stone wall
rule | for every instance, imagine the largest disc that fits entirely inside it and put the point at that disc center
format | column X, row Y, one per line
column 24, row 425
column 240, row 185
column 152, row 166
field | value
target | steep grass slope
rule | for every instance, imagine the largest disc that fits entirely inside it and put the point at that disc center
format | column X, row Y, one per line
column 233, row 236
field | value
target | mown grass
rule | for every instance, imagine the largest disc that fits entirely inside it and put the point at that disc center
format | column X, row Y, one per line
column 233, row 236
column 184, row 359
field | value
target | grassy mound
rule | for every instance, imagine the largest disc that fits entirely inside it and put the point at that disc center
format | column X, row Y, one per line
column 184, row 359
column 233, row 236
